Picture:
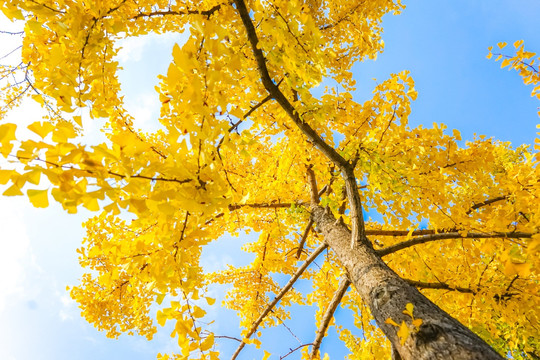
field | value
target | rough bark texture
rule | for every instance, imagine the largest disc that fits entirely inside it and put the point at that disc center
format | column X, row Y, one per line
column 439, row 337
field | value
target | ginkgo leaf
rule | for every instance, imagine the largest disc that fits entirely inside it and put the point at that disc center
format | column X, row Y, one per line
column 78, row 120
column 409, row 310
column 7, row 134
column 198, row 312
column 159, row 298
column 5, row 175
column 417, row 323
column 207, row 343
column 13, row 190
column 38, row 198
column 41, row 128
column 210, row 300
column 403, row 332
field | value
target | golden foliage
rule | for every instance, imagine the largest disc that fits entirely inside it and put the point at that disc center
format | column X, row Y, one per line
column 229, row 159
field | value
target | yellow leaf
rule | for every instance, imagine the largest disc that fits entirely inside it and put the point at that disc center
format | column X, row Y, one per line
column 161, row 317
column 91, row 204
column 7, row 134
column 501, row 44
column 35, row 26
column 210, row 300
column 63, row 132
column 409, row 309
column 5, row 176
column 417, row 322
column 391, row 322
column 137, row 205
column 266, row 355
column 12, row 13
column 409, row 234
column 518, row 43
column 207, row 343
column 33, row 177
column 42, row 129
column 403, row 332
column 522, row 269
column 39, row 198
column 13, row 190
column 78, row 120
column 198, row 312
column 413, row 94
column 112, row 207
column 159, row 298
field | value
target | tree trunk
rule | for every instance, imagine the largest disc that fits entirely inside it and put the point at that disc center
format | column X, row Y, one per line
column 438, row 337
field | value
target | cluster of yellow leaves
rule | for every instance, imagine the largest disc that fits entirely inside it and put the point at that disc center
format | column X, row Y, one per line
column 405, row 329
column 227, row 160
column 523, row 62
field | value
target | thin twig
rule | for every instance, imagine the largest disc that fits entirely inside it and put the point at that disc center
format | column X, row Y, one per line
column 91, row 172
column 313, row 186
column 278, row 297
column 11, row 33
column 439, row 285
column 226, row 337
column 402, row 232
column 452, row 235
column 344, row 284
column 486, row 202
column 206, row 13
column 304, row 238
column 293, row 350
column 275, row 205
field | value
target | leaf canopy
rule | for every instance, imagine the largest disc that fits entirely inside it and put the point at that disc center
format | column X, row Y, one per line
column 230, row 158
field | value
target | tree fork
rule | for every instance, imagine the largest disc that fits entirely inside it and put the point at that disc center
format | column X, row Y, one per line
column 439, row 337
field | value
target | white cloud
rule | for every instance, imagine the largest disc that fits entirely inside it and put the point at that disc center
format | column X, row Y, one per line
column 145, row 111
column 131, row 48
column 16, row 255
column 68, row 311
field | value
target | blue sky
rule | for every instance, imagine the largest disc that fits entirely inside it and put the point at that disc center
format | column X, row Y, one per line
column 444, row 45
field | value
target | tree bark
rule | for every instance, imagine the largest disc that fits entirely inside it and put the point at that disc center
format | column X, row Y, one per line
column 438, row 337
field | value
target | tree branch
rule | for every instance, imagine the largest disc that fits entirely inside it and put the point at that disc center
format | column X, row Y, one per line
column 293, row 350
column 358, row 230
column 227, row 337
column 278, row 297
column 451, row 235
column 347, row 169
column 276, row 93
column 344, row 284
column 486, row 202
column 313, row 186
column 304, row 238
column 261, row 205
column 439, row 285
column 206, row 13
column 400, row 232
column 92, row 172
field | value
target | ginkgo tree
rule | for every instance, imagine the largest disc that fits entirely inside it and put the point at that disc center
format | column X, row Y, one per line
column 450, row 270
